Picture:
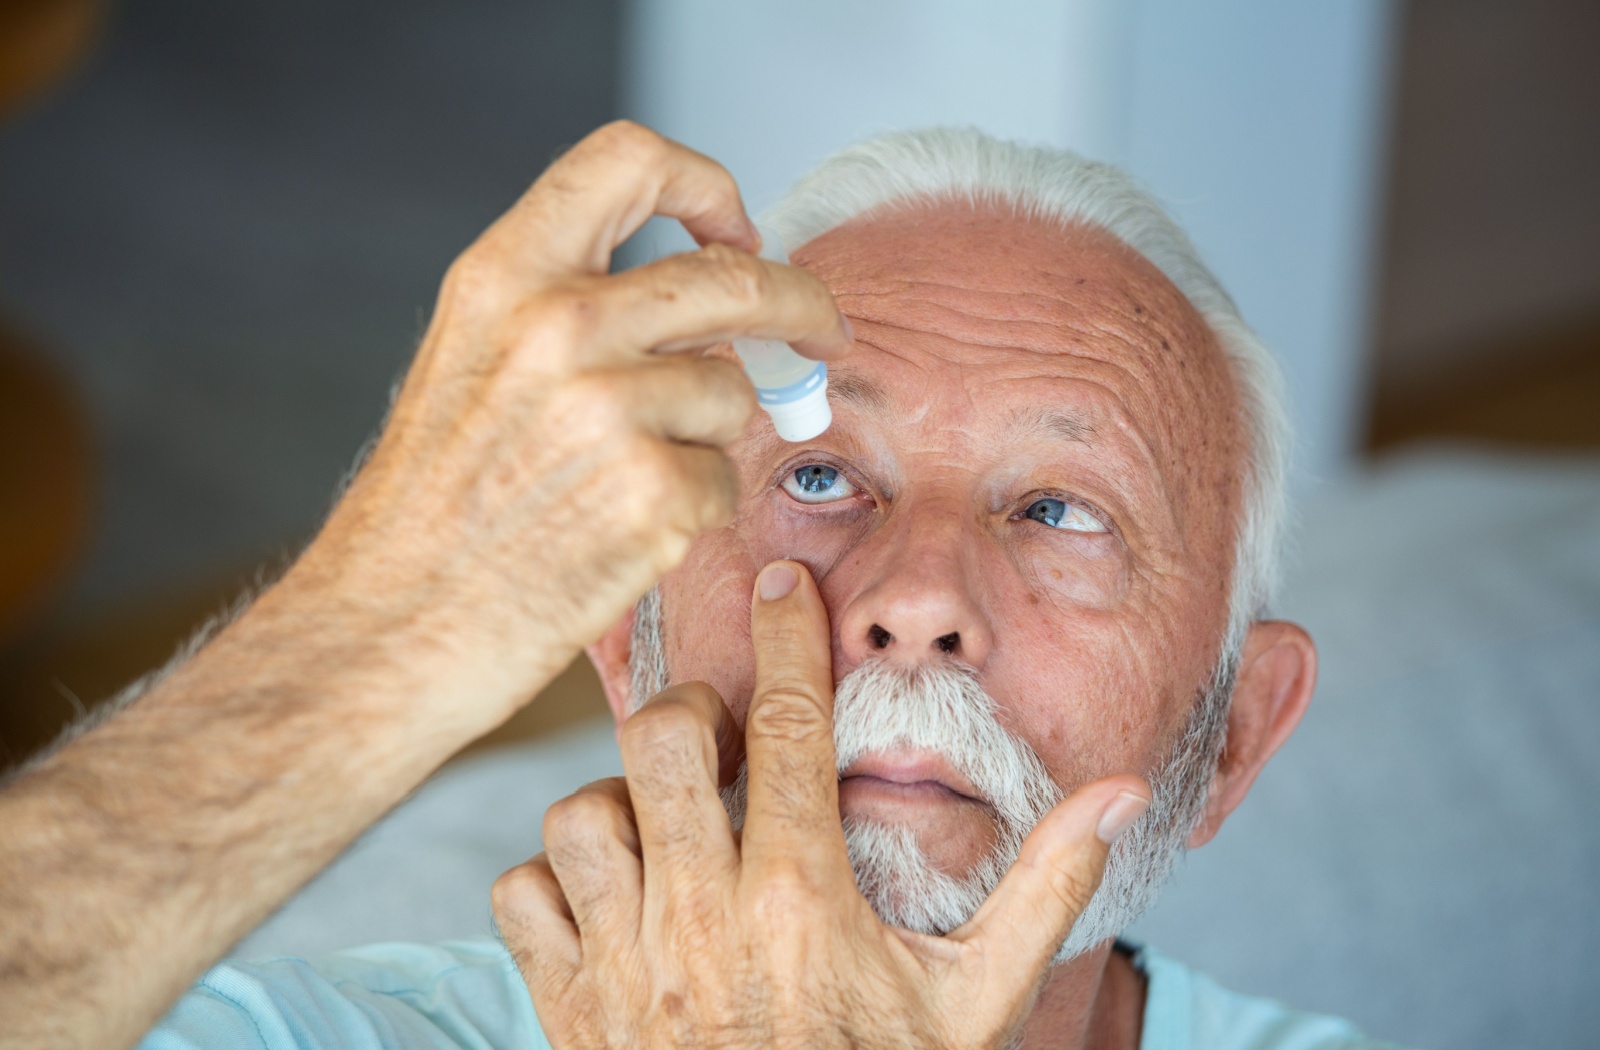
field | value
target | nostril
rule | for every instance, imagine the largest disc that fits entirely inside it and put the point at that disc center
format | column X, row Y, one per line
column 947, row 643
column 879, row 638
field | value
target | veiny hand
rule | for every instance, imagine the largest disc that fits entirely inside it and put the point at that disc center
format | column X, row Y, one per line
column 546, row 460
column 649, row 923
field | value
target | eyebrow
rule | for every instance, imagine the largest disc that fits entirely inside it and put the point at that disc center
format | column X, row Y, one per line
column 1065, row 425
column 858, row 390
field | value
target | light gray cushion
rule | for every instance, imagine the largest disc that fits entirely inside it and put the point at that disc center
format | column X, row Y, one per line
column 1424, row 854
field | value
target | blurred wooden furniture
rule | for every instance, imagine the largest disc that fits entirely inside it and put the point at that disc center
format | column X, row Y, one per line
column 44, row 482
column 1537, row 392
column 40, row 40
column 45, row 447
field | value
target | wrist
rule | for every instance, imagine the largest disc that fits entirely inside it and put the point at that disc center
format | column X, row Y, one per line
column 400, row 649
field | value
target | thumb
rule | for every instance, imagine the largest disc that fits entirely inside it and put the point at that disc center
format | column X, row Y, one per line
column 1022, row 924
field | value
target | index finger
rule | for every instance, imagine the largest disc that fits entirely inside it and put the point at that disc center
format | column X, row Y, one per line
column 793, row 801
column 603, row 189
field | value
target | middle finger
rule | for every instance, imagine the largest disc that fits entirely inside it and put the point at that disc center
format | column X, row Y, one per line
column 672, row 751
column 593, row 849
column 681, row 302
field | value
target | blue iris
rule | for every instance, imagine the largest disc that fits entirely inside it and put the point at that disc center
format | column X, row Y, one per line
column 816, row 478
column 1048, row 511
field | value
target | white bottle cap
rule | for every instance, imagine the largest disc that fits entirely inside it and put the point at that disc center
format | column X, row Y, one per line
column 803, row 418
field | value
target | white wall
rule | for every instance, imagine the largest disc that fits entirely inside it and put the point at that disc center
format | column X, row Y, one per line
column 1258, row 124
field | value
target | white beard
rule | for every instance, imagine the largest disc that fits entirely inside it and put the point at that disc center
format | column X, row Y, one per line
column 878, row 707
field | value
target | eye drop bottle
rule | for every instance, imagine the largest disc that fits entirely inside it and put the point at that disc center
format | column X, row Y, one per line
column 792, row 389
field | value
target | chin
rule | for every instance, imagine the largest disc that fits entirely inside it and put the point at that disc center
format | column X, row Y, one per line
column 952, row 833
column 907, row 887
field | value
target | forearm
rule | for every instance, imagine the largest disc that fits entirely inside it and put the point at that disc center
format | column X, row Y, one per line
column 140, row 852
column 541, row 468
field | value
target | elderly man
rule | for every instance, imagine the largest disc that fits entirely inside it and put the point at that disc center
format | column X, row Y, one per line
column 997, row 631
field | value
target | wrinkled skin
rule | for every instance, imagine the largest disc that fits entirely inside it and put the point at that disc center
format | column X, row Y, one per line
column 652, row 924
column 998, row 361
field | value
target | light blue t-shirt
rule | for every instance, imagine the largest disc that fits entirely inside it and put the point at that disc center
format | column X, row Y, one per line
column 468, row 994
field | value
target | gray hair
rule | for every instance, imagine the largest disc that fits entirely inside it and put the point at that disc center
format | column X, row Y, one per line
column 1063, row 188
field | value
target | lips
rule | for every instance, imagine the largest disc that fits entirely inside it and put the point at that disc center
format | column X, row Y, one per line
column 914, row 772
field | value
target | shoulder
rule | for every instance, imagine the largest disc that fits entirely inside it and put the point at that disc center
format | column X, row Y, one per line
column 1186, row 1010
column 382, row 997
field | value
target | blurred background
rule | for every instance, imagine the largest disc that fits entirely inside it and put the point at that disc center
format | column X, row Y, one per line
column 222, row 226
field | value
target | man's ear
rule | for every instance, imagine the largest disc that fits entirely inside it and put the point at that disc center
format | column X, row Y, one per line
column 610, row 657
column 1277, row 673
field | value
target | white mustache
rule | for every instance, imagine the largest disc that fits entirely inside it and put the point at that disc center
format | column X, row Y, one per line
column 944, row 710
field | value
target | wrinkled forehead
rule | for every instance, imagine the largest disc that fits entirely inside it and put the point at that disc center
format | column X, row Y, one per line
column 1013, row 311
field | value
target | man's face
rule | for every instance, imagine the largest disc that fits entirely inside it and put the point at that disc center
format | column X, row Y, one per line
column 1033, row 469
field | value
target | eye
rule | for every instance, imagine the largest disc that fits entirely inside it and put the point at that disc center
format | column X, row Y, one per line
column 818, row 483
column 1059, row 514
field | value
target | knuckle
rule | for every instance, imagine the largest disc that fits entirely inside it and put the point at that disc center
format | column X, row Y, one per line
column 589, row 404
column 788, row 713
column 630, row 141
column 513, row 890
column 650, row 478
column 666, row 723
column 722, row 502
column 577, row 818
column 563, row 316
column 1073, row 888
column 787, row 897
column 697, row 696
column 474, row 275
column 738, row 276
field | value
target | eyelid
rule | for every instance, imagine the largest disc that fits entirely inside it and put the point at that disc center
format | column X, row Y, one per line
column 827, row 459
column 794, row 463
column 1072, row 501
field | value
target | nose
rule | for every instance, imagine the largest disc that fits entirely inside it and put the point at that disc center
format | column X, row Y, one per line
column 919, row 603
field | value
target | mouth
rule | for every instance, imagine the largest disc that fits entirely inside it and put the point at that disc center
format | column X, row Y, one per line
column 906, row 776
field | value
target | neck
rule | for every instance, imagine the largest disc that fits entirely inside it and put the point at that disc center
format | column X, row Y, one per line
column 1094, row 1002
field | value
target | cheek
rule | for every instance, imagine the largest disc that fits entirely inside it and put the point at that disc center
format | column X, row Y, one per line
column 817, row 538
column 706, row 600
column 1063, row 574
column 705, row 604
column 1077, row 682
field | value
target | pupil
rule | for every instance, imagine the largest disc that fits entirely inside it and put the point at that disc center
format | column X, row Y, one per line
column 1048, row 511
column 816, row 478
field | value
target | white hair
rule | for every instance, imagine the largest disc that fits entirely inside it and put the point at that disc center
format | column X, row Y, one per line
column 1060, row 187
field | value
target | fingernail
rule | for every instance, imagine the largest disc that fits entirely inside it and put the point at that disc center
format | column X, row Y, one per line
column 1120, row 815
column 777, row 581
column 849, row 329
